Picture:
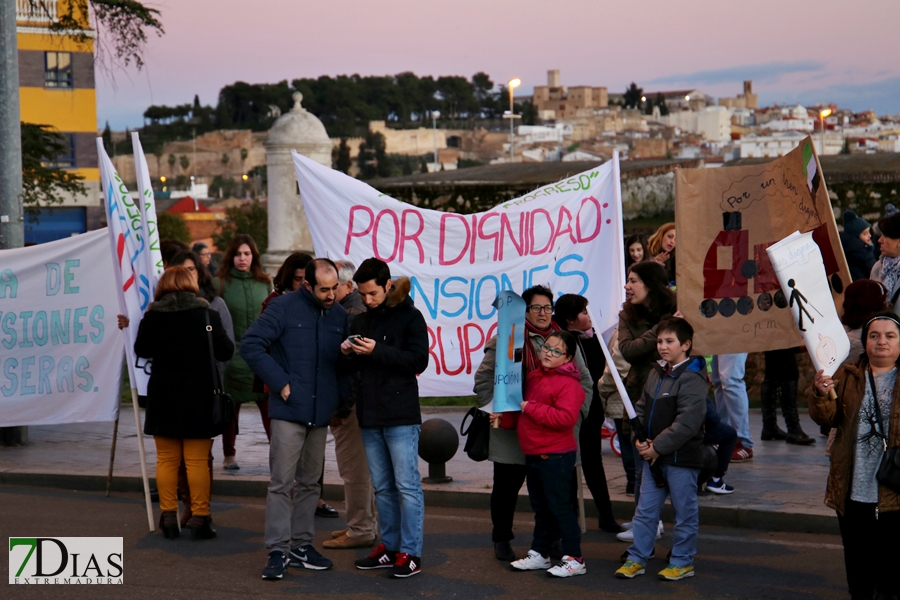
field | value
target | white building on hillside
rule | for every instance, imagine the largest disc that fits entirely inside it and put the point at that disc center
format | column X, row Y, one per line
column 544, row 133
column 714, row 122
column 780, row 143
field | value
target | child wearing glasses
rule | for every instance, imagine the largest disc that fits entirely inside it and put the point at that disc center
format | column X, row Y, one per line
column 545, row 429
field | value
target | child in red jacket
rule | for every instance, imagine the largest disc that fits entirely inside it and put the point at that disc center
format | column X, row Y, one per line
column 553, row 399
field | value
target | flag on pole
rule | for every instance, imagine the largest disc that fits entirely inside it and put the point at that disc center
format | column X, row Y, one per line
column 126, row 240
column 154, row 264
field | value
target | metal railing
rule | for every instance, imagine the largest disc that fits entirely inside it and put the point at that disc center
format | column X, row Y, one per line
column 36, row 11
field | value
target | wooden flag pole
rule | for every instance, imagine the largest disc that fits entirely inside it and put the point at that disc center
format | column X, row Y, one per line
column 112, row 455
column 140, row 438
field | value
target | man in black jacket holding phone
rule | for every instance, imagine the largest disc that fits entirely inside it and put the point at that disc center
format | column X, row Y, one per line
column 390, row 348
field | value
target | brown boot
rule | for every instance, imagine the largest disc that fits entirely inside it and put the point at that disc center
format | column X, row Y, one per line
column 345, row 541
column 168, row 523
column 201, row 527
column 340, row 533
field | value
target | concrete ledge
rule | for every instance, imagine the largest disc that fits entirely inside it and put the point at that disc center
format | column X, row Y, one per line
column 762, row 520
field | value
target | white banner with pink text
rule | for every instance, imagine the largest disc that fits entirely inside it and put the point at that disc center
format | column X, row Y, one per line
column 567, row 236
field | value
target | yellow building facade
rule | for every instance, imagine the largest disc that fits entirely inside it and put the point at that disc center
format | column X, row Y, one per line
column 56, row 88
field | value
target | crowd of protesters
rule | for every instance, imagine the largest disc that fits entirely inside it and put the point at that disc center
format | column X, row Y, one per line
column 329, row 344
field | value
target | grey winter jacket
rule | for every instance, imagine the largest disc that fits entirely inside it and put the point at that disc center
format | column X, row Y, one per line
column 504, row 444
column 673, row 409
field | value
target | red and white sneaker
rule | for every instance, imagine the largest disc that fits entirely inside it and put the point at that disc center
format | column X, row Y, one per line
column 569, row 566
column 379, row 559
column 407, row 565
column 741, row 454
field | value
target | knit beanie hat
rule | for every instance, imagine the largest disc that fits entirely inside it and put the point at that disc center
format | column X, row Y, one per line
column 890, row 209
column 854, row 225
column 890, row 226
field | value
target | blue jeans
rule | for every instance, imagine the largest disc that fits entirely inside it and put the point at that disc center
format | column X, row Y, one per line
column 682, row 489
column 550, row 479
column 393, row 455
column 731, row 394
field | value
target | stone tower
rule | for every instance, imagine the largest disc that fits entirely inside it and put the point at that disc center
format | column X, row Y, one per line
column 288, row 229
column 553, row 79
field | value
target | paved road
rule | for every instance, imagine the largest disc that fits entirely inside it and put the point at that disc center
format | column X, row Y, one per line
column 781, row 489
column 458, row 562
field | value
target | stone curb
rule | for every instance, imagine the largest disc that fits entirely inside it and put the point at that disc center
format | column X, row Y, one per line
column 709, row 515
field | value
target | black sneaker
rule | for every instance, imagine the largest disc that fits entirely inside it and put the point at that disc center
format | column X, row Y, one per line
column 327, row 511
column 378, row 559
column 308, row 558
column 407, row 565
column 276, row 565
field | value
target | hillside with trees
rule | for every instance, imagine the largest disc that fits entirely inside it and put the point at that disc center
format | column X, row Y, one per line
column 345, row 104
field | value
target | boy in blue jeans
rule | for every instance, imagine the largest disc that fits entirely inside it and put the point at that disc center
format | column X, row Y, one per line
column 672, row 410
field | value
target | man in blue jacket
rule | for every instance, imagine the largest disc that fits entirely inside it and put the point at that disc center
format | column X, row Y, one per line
column 295, row 348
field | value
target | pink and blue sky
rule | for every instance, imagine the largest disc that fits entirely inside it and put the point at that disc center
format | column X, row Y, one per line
column 794, row 50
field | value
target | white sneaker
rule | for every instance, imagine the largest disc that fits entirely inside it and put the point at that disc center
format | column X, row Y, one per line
column 628, row 534
column 627, row 525
column 567, row 567
column 533, row 561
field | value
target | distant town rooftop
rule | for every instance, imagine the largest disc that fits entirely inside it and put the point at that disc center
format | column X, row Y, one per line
column 531, row 174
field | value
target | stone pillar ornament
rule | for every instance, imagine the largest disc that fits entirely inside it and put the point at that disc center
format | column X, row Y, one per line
column 297, row 130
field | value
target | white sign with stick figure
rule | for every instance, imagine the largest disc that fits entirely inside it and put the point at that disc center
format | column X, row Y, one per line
column 798, row 264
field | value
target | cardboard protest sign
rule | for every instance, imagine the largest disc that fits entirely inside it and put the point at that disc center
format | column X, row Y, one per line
column 797, row 262
column 61, row 358
column 726, row 218
column 567, row 235
column 509, row 356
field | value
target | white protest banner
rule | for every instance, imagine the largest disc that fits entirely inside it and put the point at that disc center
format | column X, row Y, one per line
column 797, row 261
column 126, row 240
column 149, row 229
column 61, row 351
column 567, row 235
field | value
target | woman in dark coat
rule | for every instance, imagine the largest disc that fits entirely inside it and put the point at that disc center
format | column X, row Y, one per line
column 173, row 335
column 647, row 300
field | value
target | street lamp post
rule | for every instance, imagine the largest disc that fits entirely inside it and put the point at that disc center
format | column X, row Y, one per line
column 822, row 114
column 435, row 114
column 513, row 84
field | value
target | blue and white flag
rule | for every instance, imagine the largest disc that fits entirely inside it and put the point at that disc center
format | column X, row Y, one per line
column 150, row 229
column 510, row 343
column 129, row 250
